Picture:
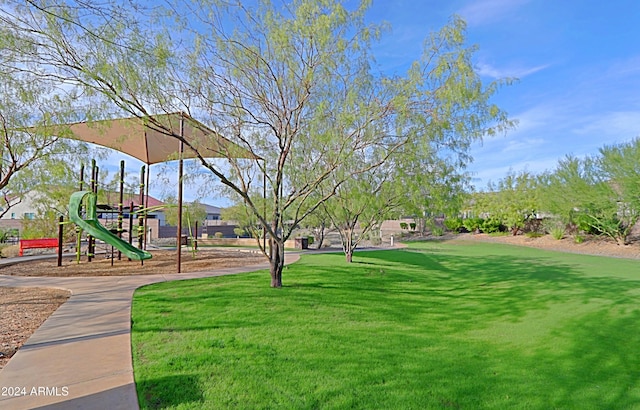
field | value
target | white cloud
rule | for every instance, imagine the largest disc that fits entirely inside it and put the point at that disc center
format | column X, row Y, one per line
column 489, row 11
column 625, row 68
column 525, row 145
column 520, row 72
column 621, row 126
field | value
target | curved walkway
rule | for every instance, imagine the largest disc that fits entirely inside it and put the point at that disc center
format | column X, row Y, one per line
column 80, row 358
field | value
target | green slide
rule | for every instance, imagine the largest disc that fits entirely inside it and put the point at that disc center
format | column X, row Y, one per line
column 95, row 229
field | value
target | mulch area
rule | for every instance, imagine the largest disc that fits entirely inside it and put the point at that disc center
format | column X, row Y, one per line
column 162, row 262
column 590, row 246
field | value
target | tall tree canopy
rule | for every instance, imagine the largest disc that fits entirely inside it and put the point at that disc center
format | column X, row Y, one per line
column 29, row 102
column 291, row 82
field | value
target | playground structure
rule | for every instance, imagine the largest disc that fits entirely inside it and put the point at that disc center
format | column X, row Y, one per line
column 154, row 139
column 90, row 224
column 83, row 213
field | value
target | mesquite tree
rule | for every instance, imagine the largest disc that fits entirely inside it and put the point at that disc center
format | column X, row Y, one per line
column 29, row 102
column 288, row 81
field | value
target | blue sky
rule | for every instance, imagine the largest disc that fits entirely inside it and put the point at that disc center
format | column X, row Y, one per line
column 578, row 65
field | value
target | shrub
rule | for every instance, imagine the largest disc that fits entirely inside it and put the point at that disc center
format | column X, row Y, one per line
column 578, row 238
column 555, row 227
column 490, row 225
column 437, row 231
column 557, row 233
column 472, row 224
column 218, row 235
column 6, row 234
column 10, row 251
column 375, row 241
column 453, row 224
column 310, row 239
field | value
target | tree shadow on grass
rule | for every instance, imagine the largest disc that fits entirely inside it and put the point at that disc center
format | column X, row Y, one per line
column 418, row 304
column 169, row 391
column 599, row 366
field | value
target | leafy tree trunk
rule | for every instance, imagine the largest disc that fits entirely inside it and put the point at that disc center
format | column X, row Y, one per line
column 321, row 238
column 347, row 244
column 319, row 234
column 349, row 255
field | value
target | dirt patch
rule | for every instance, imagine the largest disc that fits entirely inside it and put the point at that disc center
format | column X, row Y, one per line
column 162, row 262
column 23, row 310
column 590, row 246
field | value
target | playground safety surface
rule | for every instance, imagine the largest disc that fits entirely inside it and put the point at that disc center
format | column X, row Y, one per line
column 163, row 262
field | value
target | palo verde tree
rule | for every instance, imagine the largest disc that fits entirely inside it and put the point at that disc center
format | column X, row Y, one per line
column 620, row 165
column 582, row 195
column 428, row 118
column 513, row 201
column 277, row 78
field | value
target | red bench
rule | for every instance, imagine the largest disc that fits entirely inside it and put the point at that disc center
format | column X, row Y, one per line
column 37, row 243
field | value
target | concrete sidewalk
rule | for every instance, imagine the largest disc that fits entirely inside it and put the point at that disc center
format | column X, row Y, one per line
column 80, row 358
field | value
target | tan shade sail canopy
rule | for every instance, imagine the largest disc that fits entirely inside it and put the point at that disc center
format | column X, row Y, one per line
column 154, row 139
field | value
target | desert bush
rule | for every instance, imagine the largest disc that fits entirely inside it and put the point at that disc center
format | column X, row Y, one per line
column 437, row 231
column 472, row 224
column 557, row 233
column 8, row 233
column 555, row 227
column 453, row 224
column 491, row 225
column 10, row 251
column 375, row 241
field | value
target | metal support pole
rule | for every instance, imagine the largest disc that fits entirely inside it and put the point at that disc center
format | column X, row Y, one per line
column 195, row 238
column 141, row 212
column 146, row 205
column 90, row 249
column 180, row 171
column 60, row 237
column 121, row 205
column 78, row 231
column 130, row 225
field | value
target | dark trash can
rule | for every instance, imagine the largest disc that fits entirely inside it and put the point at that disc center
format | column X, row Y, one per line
column 301, row 243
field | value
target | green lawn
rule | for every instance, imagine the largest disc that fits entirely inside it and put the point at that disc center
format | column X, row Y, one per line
column 477, row 326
